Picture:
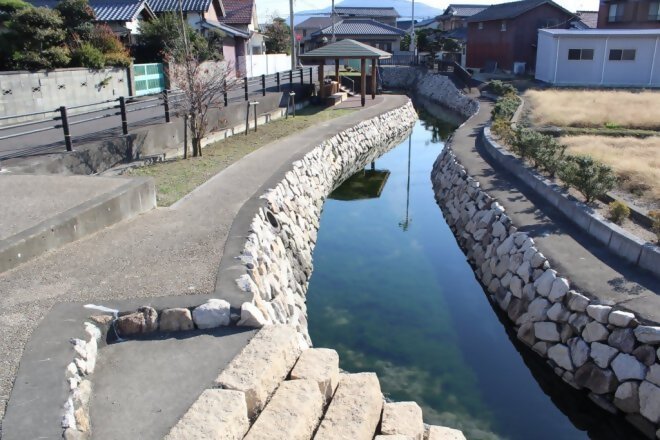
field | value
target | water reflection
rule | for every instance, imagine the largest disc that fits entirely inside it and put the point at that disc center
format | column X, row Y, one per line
column 403, row 302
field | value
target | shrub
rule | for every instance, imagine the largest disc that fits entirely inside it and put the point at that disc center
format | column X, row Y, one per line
column 502, row 128
column 526, row 142
column 618, row 212
column 500, row 88
column 87, row 55
column 505, row 107
column 117, row 59
column 591, row 178
column 655, row 226
column 549, row 155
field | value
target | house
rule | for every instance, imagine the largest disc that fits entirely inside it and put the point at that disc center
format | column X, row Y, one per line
column 629, row 14
column 455, row 16
column 506, row 34
column 308, row 27
column 195, row 12
column 368, row 31
column 386, row 15
column 599, row 57
column 122, row 16
column 588, row 20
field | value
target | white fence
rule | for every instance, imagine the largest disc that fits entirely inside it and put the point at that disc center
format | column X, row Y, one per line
column 257, row 65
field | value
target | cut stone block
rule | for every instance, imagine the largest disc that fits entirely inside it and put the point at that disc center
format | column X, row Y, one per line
column 355, row 409
column 443, row 433
column 403, row 418
column 262, row 365
column 217, row 414
column 293, row 413
column 320, row 365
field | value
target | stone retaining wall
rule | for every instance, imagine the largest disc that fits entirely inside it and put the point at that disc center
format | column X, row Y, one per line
column 596, row 347
column 433, row 86
column 277, row 255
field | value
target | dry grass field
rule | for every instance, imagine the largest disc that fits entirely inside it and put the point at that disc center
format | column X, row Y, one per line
column 636, row 161
column 595, row 108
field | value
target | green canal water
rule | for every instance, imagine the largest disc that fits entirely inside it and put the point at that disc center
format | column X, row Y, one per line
column 393, row 293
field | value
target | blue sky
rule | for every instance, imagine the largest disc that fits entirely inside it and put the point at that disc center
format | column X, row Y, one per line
column 268, row 8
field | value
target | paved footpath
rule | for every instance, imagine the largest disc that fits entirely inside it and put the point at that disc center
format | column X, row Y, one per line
column 171, row 251
column 589, row 266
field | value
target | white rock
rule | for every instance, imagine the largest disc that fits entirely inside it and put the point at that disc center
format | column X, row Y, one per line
column 515, row 286
column 505, row 247
column 537, row 260
column 214, row 313
column 626, row 397
column 558, row 313
column 546, row 331
column 560, row 354
column 577, row 302
column 579, row 351
column 251, row 316
column 602, row 354
column 599, row 312
column 649, row 401
column 524, row 271
column 544, row 283
column 620, row 318
column 647, row 334
column 595, row 331
column 402, row 418
column 558, row 290
column 538, row 309
column 653, row 375
column 627, row 367
column 443, row 433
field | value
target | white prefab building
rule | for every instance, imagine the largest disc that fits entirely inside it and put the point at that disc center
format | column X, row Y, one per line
column 599, row 57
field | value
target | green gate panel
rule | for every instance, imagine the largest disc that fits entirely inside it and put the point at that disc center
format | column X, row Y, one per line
column 149, row 78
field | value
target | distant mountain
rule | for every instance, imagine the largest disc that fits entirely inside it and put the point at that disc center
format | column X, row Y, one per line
column 403, row 7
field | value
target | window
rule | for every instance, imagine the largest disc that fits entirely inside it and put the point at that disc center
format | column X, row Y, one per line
column 481, row 25
column 580, row 54
column 616, row 12
column 654, row 11
column 503, row 26
column 622, row 54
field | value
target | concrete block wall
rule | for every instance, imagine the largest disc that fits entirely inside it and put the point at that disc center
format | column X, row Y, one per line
column 28, row 92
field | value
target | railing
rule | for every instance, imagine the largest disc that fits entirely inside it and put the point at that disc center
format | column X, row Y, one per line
column 455, row 68
column 401, row 60
column 342, row 78
column 34, row 138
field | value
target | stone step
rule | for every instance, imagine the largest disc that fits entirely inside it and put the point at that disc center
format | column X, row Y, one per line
column 261, row 366
column 355, row 409
column 293, row 413
column 443, row 433
column 217, row 414
column 320, row 365
column 402, row 418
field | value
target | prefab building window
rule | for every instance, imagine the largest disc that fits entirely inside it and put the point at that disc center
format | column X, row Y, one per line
column 622, row 54
column 615, row 12
column 580, row 54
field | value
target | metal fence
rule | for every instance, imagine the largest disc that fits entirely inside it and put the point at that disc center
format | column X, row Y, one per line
column 147, row 110
column 149, row 78
column 401, row 60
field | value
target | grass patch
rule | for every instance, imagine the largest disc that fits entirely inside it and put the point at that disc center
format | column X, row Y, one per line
column 595, row 108
column 174, row 179
column 635, row 161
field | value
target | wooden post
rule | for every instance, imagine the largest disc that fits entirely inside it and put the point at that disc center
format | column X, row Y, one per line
column 337, row 71
column 374, row 83
column 363, row 81
column 321, row 77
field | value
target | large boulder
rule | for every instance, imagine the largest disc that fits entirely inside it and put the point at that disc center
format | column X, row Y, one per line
column 212, row 314
column 596, row 379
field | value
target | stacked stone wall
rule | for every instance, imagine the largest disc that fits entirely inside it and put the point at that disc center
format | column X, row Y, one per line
column 604, row 350
column 278, row 252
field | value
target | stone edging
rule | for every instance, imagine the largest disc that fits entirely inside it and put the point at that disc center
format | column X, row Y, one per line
column 619, row 241
column 277, row 254
column 590, row 346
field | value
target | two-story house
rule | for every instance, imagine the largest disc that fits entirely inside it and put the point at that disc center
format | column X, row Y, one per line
column 629, row 14
column 386, row 15
column 455, row 16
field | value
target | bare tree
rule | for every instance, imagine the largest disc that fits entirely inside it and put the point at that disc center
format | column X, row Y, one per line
column 202, row 85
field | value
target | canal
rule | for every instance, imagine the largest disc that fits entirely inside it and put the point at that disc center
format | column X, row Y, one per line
column 393, row 293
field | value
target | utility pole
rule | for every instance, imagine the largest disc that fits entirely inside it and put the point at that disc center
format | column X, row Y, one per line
column 413, row 43
column 334, row 38
column 293, row 37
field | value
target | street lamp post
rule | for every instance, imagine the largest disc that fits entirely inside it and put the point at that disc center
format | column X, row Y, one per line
column 413, row 43
column 293, row 37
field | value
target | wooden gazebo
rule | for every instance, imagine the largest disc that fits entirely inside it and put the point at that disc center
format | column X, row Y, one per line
column 348, row 50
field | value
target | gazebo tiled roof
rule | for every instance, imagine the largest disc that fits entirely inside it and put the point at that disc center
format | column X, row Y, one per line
column 361, row 26
column 345, row 49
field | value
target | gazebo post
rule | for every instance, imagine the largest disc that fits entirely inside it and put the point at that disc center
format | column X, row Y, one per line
column 337, row 71
column 321, row 78
column 373, row 78
column 363, row 80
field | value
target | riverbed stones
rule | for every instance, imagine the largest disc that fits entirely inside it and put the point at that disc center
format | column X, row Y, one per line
column 596, row 379
column 443, row 433
column 594, row 332
column 602, row 354
column 402, row 418
column 174, row 320
column 627, row 367
column 262, row 365
column 216, row 414
column 355, row 410
column 320, row 365
column 212, row 314
column 292, row 413
column 649, row 401
column 599, row 312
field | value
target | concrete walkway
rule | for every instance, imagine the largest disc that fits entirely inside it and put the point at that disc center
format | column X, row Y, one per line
column 174, row 251
column 590, row 267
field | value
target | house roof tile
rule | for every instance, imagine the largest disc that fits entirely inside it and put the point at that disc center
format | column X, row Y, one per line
column 237, row 11
column 367, row 12
column 362, row 26
column 345, row 49
column 510, row 10
column 464, row 10
column 315, row 23
column 173, row 5
column 105, row 10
